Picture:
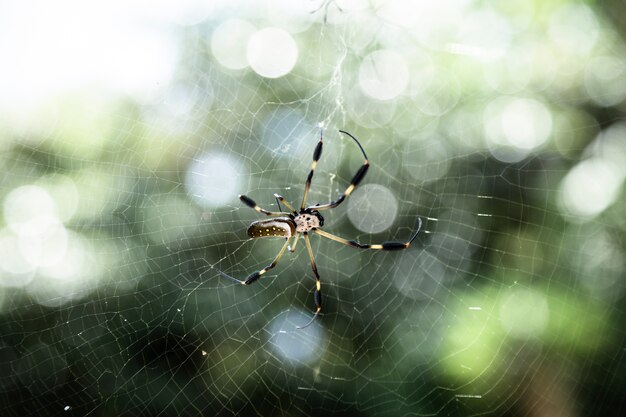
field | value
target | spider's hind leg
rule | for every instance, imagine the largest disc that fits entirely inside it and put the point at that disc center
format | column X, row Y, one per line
column 296, row 237
column 257, row 274
column 317, row 294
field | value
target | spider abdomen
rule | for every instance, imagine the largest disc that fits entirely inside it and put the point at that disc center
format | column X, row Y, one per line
column 276, row 227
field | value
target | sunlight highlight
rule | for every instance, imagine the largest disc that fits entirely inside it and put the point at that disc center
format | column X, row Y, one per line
column 69, row 45
column 272, row 52
column 484, row 33
column 525, row 123
column 15, row 270
column 40, row 253
column 574, row 29
column 29, row 210
column 63, row 192
column 605, row 80
column 590, row 187
column 516, row 126
column 297, row 345
column 383, row 75
column 214, row 179
column 68, row 274
column 45, row 248
column 229, row 43
column 436, row 21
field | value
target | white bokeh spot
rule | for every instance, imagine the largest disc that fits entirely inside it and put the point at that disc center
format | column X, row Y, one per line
column 29, row 209
column 526, row 123
column 372, row 208
column 213, row 179
column 272, row 52
column 229, row 43
column 516, row 126
column 297, row 345
column 590, row 187
column 383, row 75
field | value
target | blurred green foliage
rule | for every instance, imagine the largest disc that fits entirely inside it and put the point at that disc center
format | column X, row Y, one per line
column 506, row 140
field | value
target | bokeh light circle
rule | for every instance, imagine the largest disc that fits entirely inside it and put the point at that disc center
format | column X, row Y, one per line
column 372, row 208
column 229, row 43
column 29, row 209
column 526, row 123
column 383, row 75
column 517, row 122
column 515, row 126
column 15, row 270
column 605, row 80
column 297, row 345
column 272, row 52
column 214, row 179
column 590, row 187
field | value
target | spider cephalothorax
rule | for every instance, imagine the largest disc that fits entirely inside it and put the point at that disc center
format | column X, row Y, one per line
column 308, row 220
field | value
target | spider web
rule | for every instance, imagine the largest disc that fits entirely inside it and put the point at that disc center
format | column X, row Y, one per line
column 120, row 209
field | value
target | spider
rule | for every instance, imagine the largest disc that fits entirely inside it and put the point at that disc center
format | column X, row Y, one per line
column 308, row 220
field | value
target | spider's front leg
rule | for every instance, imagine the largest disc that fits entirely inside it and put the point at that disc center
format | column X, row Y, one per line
column 279, row 199
column 250, row 203
column 356, row 180
column 317, row 154
column 392, row 245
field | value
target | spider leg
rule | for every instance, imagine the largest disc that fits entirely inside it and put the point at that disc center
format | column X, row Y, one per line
column 256, row 275
column 292, row 249
column 393, row 245
column 318, row 287
column 358, row 177
column 278, row 203
column 280, row 198
column 316, row 156
column 250, row 203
